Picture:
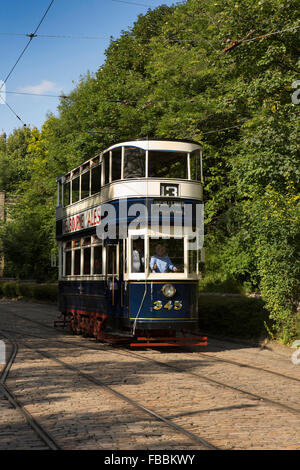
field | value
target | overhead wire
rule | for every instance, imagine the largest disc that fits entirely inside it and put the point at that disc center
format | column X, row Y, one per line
column 31, row 36
column 65, row 36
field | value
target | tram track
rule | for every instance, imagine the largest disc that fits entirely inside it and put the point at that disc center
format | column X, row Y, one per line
column 179, row 429
column 255, row 396
column 132, row 353
column 41, row 433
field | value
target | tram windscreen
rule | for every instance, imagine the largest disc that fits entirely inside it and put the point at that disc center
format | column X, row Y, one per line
column 167, row 165
column 134, row 162
column 166, row 255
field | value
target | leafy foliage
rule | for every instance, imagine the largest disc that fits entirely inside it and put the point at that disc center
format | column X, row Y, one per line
column 205, row 70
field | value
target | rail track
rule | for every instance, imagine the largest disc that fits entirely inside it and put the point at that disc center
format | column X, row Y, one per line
column 132, row 353
column 47, row 438
column 42, row 434
column 124, row 351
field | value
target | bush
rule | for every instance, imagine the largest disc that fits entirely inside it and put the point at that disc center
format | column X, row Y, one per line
column 211, row 283
column 47, row 292
column 234, row 316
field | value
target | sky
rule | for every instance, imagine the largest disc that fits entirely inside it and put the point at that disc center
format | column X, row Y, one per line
column 54, row 65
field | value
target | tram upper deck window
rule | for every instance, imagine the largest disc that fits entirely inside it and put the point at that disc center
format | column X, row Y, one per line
column 195, row 160
column 85, row 185
column 134, row 163
column 106, row 161
column 67, row 194
column 167, row 165
column 75, row 189
column 116, row 156
column 96, row 179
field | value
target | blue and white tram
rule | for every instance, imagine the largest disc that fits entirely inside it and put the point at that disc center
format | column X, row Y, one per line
column 129, row 226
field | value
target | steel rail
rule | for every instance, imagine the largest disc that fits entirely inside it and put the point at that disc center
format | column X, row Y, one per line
column 203, row 377
column 193, row 437
column 240, row 364
column 33, row 423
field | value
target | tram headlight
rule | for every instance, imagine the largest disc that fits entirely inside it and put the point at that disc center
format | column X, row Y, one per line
column 168, row 290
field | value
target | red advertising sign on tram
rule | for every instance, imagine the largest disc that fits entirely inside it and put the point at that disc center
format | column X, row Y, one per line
column 86, row 219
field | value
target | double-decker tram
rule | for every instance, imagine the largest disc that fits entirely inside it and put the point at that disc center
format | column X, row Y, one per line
column 129, row 226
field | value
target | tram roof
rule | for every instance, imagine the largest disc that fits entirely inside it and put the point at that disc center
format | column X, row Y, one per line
column 159, row 144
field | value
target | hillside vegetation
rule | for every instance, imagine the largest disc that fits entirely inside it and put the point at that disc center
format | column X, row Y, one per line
column 204, row 70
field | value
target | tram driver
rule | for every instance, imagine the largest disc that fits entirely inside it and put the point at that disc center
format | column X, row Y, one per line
column 160, row 263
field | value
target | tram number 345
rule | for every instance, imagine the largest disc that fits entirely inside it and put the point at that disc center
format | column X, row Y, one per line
column 176, row 305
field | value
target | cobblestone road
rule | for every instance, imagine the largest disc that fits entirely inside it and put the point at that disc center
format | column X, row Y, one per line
column 81, row 415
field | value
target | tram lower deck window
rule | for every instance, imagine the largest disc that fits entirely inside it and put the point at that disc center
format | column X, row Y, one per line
column 138, row 255
column 87, row 261
column 166, row 255
column 98, row 259
column 68, row 258
column 111, row 259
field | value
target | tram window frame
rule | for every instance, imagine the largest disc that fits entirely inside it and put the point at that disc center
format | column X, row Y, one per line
column 159, row 237
column 97, row 244
column 154, row 241
column 116, row 164
column 86, row 245
column 134, row 242
column 106, row 167
column 59, row 194
column 109, row 260
column 67, row 253
column 137, row 161
column 81, row 245
column 67, row 193
column 76, row 253
column 195, row 165
column 167, row 165
column 86, row 191
column 75, row 192
column 94, row 189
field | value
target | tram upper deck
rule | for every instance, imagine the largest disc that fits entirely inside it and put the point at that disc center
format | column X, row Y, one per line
column 135, row 169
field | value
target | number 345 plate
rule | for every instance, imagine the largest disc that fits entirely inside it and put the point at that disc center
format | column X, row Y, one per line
column 171, row 305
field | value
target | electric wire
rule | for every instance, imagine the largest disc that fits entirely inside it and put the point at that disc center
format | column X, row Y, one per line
column 31, row 36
